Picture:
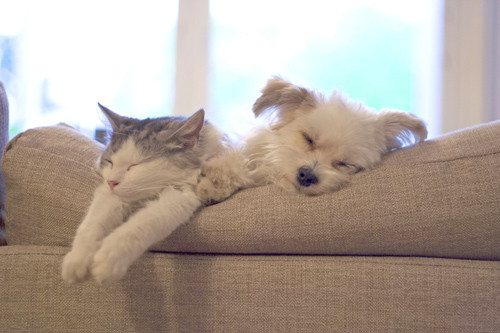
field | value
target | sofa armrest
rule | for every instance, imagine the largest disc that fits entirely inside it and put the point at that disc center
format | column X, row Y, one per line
column 437, row 199
column 4, row 136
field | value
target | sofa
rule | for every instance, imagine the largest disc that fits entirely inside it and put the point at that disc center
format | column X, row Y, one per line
column 4, row 137
column 410, row 246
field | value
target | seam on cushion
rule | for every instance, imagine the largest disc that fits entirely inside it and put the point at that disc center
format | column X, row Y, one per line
column 457, row 158
column 340, row 258
column 266, row 258
column 61, row 156
column 55, row 128
column 17, row 137
column 11, row 143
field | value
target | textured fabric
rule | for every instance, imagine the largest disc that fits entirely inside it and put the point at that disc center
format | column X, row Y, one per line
column 4, row 136
column 441, row 199
column 194, row 293
column 50, row 184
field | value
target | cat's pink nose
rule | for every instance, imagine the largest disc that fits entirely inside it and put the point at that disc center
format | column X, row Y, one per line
column 112, row 184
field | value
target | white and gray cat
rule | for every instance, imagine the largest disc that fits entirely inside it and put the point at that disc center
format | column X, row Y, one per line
column 150, row 169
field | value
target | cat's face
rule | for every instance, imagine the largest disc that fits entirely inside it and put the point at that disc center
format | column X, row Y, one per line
column 145, row 156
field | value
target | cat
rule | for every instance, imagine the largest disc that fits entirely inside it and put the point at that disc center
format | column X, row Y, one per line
column 149, row 168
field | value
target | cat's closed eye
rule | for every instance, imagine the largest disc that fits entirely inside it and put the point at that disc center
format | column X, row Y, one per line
column 108, row 161
column 132, row 165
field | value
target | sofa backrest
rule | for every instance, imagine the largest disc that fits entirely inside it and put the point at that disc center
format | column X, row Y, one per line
column 4, row 136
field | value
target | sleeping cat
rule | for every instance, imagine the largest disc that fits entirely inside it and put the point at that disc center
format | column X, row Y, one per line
column 149, row 169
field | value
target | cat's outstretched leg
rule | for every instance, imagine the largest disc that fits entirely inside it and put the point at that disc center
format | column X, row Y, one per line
column 105, row 213
column 222, row 176
column 146, row 227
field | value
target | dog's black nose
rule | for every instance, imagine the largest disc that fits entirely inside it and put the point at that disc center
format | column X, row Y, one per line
column 306, row 177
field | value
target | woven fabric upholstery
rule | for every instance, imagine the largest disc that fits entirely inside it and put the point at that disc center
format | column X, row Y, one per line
column 438, row 199
column 268, row 260
column 194, row 293
column 4, row 136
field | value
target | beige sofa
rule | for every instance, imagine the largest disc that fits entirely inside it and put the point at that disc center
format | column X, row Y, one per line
column 410, row 246
column 4, row 136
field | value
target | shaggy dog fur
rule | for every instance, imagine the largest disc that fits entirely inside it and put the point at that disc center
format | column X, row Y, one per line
column 311, row 144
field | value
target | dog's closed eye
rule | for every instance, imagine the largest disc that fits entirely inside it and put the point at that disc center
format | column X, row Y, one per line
column 344, row 166
column 308, row 139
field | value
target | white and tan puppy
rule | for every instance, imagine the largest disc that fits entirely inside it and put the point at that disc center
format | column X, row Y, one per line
column 311, row 144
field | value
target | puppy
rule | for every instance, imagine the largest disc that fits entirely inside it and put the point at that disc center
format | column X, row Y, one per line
column 311, row 144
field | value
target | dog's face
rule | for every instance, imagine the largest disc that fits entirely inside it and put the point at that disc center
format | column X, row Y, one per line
column 315, row 144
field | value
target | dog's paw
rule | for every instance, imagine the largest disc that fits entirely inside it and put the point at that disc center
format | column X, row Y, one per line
column 75, row 265
column 222, row 176
column 210, row 191
column 216, row 183
column 110, row 264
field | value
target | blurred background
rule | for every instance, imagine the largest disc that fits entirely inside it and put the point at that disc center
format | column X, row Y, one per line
column 438, row 59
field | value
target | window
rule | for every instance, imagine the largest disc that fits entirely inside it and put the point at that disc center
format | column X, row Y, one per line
column 59, row 58
column 156, row 57
column 383, row 53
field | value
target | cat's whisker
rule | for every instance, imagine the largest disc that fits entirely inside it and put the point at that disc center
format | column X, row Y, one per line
column 139, row 189
column 146, row 147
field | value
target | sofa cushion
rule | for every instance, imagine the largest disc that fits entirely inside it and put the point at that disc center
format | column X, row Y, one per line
column 438, row 199
column 222, row 293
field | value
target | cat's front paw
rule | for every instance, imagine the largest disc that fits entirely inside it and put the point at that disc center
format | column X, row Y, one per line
column 75, row 265
column 110, row 264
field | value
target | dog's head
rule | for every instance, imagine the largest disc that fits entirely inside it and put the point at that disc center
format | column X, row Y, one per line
column 315, row 143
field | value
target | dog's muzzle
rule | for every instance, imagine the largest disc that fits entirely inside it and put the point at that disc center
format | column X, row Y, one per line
column 306, row 177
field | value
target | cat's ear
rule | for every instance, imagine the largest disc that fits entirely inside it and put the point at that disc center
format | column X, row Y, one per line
column 114, row 119
column 189, row 132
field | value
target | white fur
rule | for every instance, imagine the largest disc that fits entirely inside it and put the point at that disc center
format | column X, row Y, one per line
column 105, row 214
column 106, row 246
column 140, row 177
column 348, row 137
column 149, row 225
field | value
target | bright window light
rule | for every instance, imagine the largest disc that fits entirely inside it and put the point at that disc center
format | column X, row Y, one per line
column 59, row 58
column 384, row 53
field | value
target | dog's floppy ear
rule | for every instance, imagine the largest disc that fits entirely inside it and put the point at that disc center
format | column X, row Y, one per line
column 284, row 100
column 400, row 128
